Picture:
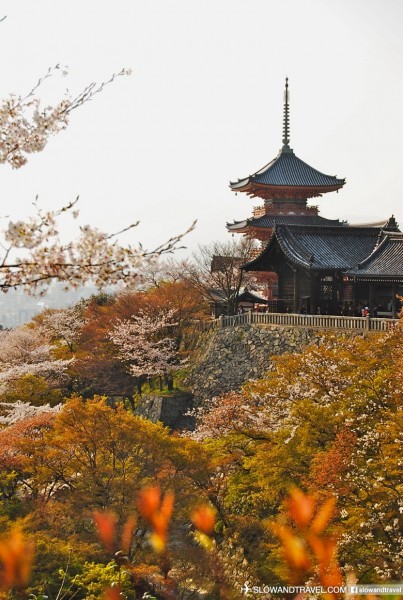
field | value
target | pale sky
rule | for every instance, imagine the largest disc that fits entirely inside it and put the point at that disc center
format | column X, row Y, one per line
column 204, row 106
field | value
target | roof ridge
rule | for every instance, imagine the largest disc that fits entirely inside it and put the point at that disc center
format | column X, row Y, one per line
column 288, row 248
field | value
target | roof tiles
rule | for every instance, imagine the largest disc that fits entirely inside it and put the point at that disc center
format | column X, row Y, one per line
column 287, row 170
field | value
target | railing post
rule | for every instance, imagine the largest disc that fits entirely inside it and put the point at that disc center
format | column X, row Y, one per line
column 367, row 323
column 220, row 321
column 250, row 317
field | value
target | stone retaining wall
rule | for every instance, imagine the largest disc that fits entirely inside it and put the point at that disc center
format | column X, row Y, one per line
column 221, row 360
column 169, row 409
column 226, row 358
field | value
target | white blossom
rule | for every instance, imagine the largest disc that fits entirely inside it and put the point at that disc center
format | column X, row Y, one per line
column 143, row 343
column 12, row 412
column 23, row 351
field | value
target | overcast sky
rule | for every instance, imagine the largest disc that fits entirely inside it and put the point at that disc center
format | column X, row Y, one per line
column 204, row 106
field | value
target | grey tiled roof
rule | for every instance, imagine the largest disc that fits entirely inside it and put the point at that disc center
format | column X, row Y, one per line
column 320, row 248
column 385, row 262
column 327, row 248
column 272, row 220
column 289, row 170
column 248, row 296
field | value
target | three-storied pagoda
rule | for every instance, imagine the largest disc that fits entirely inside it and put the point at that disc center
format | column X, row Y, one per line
column 285, row 184
column 322, row 265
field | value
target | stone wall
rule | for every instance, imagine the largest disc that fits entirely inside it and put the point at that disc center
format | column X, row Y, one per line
column 169, row 409
column 226, row 358
column 221, row 360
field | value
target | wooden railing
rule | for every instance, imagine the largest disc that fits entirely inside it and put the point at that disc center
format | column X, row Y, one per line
column 363, row 324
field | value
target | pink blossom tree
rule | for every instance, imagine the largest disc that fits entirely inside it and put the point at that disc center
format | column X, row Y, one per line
column 143, row 344
column 13, row 412
column 23, row 351
column 64, row 324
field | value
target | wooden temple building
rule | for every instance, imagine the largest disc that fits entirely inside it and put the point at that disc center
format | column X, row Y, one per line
column 322, row 266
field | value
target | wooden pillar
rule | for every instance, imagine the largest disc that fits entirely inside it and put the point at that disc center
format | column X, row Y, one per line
column 394, row 311
column 296, row 291
column 314, row 294
column 371, row 294
column 354, row 295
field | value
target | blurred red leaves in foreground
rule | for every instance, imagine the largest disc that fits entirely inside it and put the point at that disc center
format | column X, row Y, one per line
column 203, row 518
column 106, row 527
column 157, row 510
column 16, row 556
column 113, row 593
column 106, row 523
column 306, row 550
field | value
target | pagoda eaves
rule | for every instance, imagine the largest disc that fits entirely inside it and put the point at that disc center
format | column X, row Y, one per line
column 287, row 176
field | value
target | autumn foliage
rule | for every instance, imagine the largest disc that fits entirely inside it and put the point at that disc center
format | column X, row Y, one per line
column 294, row 478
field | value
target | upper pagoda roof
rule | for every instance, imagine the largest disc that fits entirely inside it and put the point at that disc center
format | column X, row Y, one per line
column 287, row 175
column 287, row 170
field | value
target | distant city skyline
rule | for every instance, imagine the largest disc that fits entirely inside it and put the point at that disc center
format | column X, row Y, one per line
column 204, row 107
column 17, row 308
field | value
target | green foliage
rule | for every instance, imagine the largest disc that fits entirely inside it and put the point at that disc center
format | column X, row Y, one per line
column 58, row 563
column 96, row 577
column 33, row 390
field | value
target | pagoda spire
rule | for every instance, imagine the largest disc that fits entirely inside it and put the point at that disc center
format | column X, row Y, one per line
column 286, row 182
column 286, row 119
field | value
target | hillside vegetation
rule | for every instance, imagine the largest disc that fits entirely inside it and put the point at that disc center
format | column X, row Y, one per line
column 294, row 477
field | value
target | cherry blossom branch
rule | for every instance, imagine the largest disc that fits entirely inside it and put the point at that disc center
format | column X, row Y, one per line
column 25, row 127
column 92, row 257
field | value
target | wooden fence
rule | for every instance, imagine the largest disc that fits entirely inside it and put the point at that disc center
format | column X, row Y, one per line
column 364, row 324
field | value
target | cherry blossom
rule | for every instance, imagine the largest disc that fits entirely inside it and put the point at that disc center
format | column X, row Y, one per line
column 63, row 324
column 26, row 126
column 143, row 344
column 13, row 412
column 95, row 256
column 23, row 351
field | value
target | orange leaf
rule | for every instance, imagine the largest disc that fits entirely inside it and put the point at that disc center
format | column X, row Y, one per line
column 16, row 556
column 203, row 518
column 106, row 525
column 112, row 593
column 159, row 523
column 332, row 577
column 294, row 548
column 324, row 549
column 323, row 516
column 167, row 505
column 301, row 507
column 148, row 502
column 127, row 534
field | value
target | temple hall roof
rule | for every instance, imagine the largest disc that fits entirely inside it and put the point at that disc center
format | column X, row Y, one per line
column 385, row 262
column 252, row 297
column 319, row 248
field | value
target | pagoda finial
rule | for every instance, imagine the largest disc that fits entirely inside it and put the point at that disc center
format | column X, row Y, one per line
column 286, row 119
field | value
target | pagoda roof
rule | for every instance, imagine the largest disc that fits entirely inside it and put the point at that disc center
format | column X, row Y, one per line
column 269, row 221
column 317, row 248
column 385, row 262
column 288, row 171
